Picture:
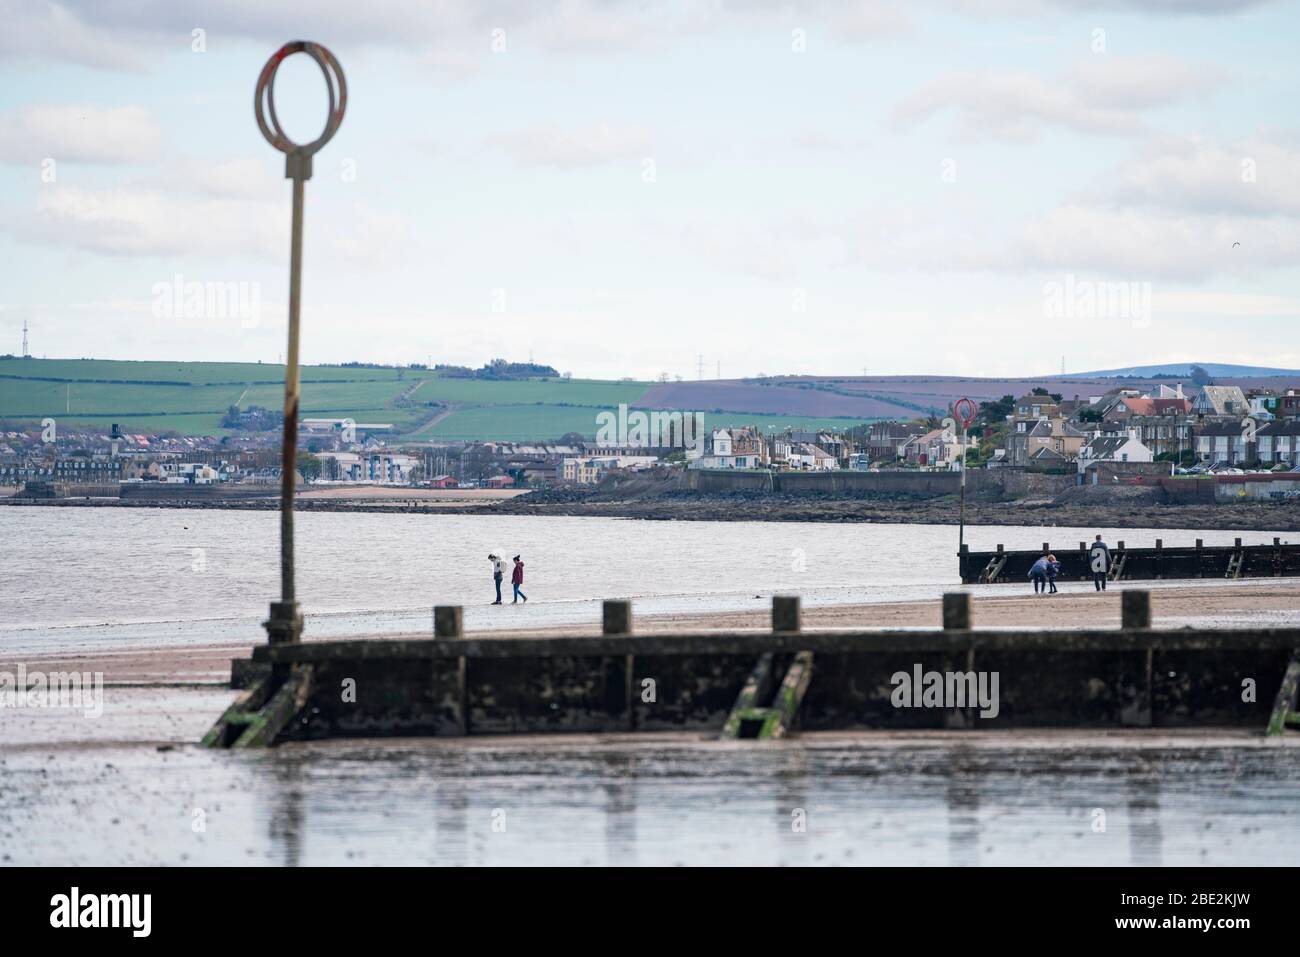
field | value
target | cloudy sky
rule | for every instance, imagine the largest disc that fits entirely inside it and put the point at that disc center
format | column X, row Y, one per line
column 619, row 188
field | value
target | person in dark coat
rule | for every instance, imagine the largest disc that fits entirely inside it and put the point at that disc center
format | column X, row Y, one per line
column 1099, row 562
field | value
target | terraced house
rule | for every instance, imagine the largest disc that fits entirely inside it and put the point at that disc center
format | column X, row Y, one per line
column 1278, row 443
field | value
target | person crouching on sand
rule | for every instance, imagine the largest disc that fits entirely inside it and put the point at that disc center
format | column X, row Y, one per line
column 498, row 574
column 1038, row 575
column 517, row 579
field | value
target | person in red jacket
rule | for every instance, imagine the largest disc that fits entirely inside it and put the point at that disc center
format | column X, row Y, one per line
column 517, row 579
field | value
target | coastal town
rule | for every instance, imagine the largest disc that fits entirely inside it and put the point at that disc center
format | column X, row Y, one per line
column 1177, row 432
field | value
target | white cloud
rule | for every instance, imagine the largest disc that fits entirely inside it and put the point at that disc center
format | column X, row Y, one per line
column 445, row 35
column 240, row 177
column 145, row 222
column 1140, row 245
column 1149, row 7
column 1137, row 82
column 1254, row 177
column 140, row 222
column 40, row 29
column 1100, row 96
column 1215, row 305
column 571, row 147
column 69, row 133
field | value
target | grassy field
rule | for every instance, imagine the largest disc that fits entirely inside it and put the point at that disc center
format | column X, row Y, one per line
column 191, row 398
column 531, row 422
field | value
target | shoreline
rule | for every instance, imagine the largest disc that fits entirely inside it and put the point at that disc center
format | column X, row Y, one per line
column 1251, row 516
column 1258, row 602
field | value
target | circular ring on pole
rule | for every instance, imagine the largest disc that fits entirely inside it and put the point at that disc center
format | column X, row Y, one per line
column 965, row 410
column 329, row 67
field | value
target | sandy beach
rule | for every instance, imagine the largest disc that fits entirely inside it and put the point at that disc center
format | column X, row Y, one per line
column 1258, row 602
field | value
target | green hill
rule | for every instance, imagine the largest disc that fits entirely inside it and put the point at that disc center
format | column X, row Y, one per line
column 192, row 397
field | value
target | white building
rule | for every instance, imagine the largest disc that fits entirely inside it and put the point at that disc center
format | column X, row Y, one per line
column 188, row 473
column 379, row 468
column 1125, row 447
column 721, row 452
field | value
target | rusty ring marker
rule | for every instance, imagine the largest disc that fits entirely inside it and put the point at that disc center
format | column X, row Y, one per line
column 965, row 411
column 265, row 92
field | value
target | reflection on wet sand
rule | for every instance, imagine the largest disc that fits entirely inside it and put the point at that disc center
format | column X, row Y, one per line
column 800, row 802
column 963, row 799
column 1142, row 794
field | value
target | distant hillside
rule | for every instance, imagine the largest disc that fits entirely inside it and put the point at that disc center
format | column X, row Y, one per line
column 1216, row 369
column 192, row 398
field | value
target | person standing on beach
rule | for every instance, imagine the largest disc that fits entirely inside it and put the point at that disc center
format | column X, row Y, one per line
column 1099, row 562
column 498, row 574
column 1038, row 575
column 517, row 579
column 1053, row 569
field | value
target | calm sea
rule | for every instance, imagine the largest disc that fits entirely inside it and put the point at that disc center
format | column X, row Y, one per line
column 73, row 576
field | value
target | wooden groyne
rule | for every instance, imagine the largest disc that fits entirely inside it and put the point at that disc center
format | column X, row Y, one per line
column 763, row 684
column 1238, row 560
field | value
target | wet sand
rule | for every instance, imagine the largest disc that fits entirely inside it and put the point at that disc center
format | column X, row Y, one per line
column 1047, row 798
column 1257, row 602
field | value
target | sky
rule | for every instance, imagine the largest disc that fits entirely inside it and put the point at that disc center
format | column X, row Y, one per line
column 629, row 188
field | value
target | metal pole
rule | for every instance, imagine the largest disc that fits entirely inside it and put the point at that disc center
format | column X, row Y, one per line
column 961, row 507
column 285, row 621
column 289, row 459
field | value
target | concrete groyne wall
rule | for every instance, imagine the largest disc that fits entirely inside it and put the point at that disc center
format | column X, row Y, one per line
column 451, row 684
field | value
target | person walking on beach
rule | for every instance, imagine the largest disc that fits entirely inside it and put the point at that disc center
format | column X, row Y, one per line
column 517, row 579
column 1038, row 575
column 498, row 574
column 1053, row 569
column 1099, row 562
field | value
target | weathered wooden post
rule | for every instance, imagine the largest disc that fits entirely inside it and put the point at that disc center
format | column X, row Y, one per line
column 956, row 611
column 1135, row 609
column 449, row 623
column 957, row 617
column 1135, row 692
column 785, row 613
column 615, row 621
column 616, row 618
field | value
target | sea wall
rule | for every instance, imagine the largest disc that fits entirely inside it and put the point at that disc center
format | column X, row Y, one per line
column 185, row 492
column 984, row 483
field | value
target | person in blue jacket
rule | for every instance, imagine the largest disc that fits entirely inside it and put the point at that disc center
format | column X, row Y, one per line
column 1038, row 575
